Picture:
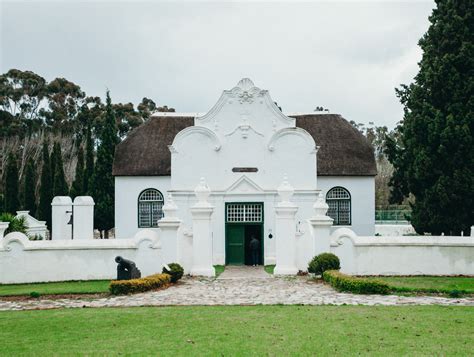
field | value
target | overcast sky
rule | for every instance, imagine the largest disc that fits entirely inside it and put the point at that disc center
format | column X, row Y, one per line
column 345, row 56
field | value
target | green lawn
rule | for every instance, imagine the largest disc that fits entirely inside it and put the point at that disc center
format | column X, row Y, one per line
column 63, row 287
column 240, row 331
column 430, row 284
column 269, row 268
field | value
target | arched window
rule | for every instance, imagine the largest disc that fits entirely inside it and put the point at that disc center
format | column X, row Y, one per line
column 339, row 202
column 150, row 204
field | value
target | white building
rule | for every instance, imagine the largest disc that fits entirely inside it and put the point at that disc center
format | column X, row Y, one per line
column 244, row 147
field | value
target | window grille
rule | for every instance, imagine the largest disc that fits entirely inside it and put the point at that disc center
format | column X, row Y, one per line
column 245, row 212
column 150, row 204
column 339, row 202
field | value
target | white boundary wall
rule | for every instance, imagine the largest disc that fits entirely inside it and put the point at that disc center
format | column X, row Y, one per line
column 24, row 261
column 394, row 229
column 414, row 255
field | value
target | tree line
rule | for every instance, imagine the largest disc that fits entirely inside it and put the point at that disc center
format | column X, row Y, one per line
column 57, row 141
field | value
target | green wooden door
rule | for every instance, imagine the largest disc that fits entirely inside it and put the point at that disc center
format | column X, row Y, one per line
column 235, row 244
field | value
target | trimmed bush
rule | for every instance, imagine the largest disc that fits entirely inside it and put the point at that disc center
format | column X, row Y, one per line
column 322, row 262
column 121, row 287
column 343, row 282
column 176, row 271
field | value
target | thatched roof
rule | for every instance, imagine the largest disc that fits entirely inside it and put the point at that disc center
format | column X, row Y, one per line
column 343, row 151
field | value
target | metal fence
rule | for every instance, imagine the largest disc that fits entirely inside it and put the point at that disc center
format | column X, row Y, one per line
column 392, row 216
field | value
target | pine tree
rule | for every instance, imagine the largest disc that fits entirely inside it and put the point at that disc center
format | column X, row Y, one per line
column 59, row 180
column 89, row 169
column 433, row 158
column 46, row 188
column 77, row 187
column 103, row 181
column 29, row 186
column 11, row 203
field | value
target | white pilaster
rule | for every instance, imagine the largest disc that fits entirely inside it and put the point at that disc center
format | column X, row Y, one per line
column 83, row 218
column 321, row 227
column 202, row 233
column 169, row 226
column 3, row 228
column 61, row 214
column 285, row 231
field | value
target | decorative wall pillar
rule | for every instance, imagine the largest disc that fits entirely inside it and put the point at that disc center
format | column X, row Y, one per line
column 83, row 218
column 3, row 228
column 61, row 211
column 321, row 225
column 202, row 232
column 285, row 231
column 169, row 226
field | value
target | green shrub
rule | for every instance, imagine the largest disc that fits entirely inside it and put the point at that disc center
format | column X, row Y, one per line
column 121, row 287
column 176, row 271
column 357, row 285
column 322, row 262
column 455, row 293
column 35, row 294
column 16, row 224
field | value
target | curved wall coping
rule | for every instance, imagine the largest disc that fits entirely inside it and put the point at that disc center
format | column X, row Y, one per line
column 145, row 235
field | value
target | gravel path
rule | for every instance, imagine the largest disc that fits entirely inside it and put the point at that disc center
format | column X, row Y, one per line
column 234, row 289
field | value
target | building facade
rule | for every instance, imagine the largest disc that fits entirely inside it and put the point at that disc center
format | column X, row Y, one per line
column 244, row 147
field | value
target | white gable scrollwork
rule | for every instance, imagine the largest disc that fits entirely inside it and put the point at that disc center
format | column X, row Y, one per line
column 292, row 131
column 174, row 148
column 246, row 94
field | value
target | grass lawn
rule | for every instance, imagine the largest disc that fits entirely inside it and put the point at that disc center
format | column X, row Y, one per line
column 219, row 269
column 430, row 284
column 269, row 268
column 240, row 330
column 63, row 287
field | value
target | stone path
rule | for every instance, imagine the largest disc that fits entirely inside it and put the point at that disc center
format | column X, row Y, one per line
column 234, row 289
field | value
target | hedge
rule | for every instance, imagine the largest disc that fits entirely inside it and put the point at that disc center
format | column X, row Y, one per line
column 175, row 270
column 343, row 282
column 121, row 287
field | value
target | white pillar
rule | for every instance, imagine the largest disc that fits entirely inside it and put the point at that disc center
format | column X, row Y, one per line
column 83, row 218
column 321, row 225
column 202, row 233
column 285, row 231
column 169, row 226
column 61, row 214
column 3, row 228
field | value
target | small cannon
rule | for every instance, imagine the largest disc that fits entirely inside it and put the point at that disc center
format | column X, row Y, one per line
column 126, row 269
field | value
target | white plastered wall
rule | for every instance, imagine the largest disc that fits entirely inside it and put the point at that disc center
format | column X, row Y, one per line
column 362, row 191
column 81, row 259
column 127, row 190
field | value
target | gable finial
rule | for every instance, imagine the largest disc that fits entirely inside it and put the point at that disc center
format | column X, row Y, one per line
column 245, row 84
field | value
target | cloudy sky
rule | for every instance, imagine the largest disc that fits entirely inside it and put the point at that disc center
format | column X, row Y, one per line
column 345, row 56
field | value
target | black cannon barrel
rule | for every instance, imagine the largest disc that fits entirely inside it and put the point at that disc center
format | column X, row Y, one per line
column 122, row 261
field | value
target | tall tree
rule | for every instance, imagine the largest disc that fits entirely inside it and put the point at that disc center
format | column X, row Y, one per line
column 22, row 93
column 89, row 169
column 59, row 180
column 65, row 99
column 77, row 187
column 46, row 188
column 433, row 158
column 12, row 203
column 103, row 181
column 29, row 186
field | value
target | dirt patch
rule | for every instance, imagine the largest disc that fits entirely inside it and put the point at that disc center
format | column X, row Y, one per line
column 54, row 297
